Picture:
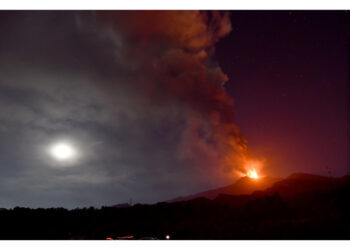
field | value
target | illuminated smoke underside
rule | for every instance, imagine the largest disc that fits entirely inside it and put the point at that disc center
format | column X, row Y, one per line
column 172, row 51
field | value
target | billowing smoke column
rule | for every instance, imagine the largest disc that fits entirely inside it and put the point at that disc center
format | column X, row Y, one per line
column 171, row 55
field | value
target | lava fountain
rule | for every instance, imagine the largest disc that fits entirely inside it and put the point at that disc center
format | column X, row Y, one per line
column 252, row 174
column 253, row 168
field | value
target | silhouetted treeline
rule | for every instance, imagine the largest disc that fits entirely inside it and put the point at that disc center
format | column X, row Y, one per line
column 319, row 214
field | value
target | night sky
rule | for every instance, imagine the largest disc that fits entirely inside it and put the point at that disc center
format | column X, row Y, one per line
column 289, row 76
column 154, row 105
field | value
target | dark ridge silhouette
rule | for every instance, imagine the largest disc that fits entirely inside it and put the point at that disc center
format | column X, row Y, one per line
column 301, row 206
column 309, row 177
column 121, row 205
column 301, row 184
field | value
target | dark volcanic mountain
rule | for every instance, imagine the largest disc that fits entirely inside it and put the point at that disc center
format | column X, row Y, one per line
column 301, row 206
column 295, row 185
column 243, row 186
column 301, row 184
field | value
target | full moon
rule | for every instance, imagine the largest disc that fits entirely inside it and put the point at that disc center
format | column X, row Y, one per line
column 62, row 151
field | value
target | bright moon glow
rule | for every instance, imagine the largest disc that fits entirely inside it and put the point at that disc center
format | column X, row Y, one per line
column 62, row 151
column 252, row 174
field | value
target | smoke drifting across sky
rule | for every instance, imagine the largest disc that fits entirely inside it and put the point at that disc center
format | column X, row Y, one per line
column 172, row 52
column 137, row 92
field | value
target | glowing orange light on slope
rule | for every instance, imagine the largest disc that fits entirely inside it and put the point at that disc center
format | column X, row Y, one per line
column 252, row 174
column 253, row 168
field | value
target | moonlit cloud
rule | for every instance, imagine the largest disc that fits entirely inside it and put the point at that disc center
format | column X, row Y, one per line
column 79, row 77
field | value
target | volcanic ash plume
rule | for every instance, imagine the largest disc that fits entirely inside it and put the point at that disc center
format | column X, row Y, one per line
column 170, row 55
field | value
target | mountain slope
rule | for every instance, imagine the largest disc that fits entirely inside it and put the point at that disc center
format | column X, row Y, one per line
column 301, row 184
column 244, row 185
column 298, row 184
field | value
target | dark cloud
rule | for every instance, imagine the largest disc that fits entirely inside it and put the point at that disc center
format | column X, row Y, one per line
column 138, row 94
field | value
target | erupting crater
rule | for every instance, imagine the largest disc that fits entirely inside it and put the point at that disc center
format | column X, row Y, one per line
column 252, row 168
column 253, row 174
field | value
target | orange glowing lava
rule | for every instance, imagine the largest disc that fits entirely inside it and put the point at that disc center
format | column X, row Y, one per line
column 252, row 174
column 252, row 168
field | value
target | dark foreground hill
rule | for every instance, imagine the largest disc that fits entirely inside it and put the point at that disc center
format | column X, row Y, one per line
column 299, row 207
